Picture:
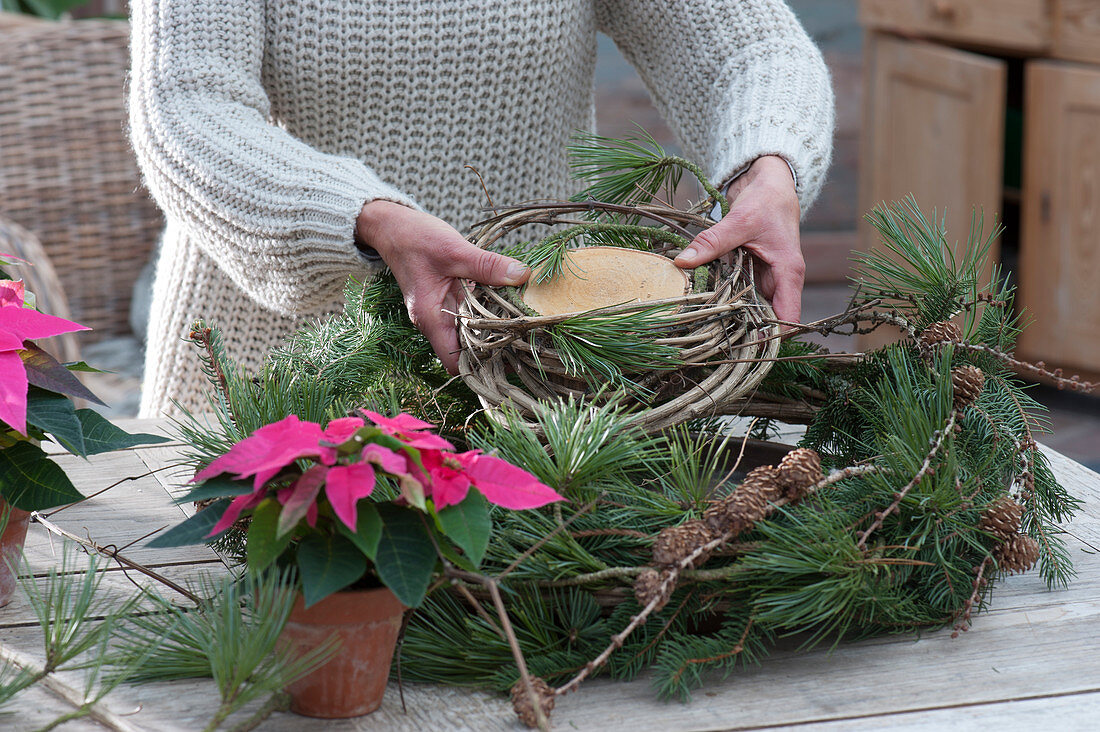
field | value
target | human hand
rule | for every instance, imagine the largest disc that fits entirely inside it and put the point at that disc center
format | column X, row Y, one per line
column 763, row 218
column 429, row 259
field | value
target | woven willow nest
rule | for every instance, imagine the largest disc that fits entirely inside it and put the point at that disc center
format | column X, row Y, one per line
column 721, row 328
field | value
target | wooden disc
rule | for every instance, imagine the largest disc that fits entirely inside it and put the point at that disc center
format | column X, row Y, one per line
column 598, row 277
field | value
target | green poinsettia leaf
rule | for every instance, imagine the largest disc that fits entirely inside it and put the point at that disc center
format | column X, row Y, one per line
column 263, row 544
column 455, row 557
column 368, row 529
column 102, row 436
column 30, row 480
column 55, row 414
column 327, row 564
column 406, row 559
column 83, row 367
column 46, row 372
column 216, row 488
column 194, row 529
column 220, row 486
column 468, row 525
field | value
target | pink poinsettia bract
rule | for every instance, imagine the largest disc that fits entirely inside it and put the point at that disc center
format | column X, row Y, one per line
column 19, row 324
column 446, row 476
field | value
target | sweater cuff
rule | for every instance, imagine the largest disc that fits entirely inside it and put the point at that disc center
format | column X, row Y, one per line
column 790, row 116
column 329, row 210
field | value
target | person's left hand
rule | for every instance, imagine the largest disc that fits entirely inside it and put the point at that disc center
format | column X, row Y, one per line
column 763, row 218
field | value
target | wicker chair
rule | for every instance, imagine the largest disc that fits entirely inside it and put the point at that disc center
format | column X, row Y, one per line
column 66, row 171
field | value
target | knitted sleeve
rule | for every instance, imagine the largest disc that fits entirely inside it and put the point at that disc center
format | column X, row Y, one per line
column 735, row 79
column 276, row 214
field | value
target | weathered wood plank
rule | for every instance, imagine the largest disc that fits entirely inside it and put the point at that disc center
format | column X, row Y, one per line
column 36, row 707
column 164, row 463
column 117, row 586
column 1068, row 712
column 1018, row 658
column 119, row 516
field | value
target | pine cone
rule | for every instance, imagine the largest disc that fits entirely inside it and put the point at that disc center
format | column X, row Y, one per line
column 967, row 383
column 1018, row 554
column 798, row 470
column 737, row 512
column 648, row 586
column 945, row 331
column 1002, row 518
column 521, row 701
column 675, row 543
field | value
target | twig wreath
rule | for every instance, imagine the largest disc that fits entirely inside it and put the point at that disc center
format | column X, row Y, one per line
column 663, row 351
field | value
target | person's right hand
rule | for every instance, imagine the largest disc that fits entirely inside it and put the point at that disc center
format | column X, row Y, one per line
column 429, row 259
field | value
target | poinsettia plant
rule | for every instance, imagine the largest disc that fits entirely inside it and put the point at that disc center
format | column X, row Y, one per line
column 365, row 499
column 36, row 392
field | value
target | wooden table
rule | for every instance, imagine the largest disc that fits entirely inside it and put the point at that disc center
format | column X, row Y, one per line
column 1030, row 662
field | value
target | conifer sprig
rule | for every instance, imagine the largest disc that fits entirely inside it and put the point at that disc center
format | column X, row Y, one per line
column 549, row 258
column 632, row 169
column 920, row 273
column 612, row 347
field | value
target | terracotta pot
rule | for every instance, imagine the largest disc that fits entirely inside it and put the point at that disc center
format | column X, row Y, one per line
column 11, row 546
column 352, row 682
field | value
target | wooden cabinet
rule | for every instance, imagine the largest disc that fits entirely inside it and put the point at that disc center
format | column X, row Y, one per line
column 1077, row 31
column 1012, row 24
column 934, row 128
column 944, row 80
column 1059, row 271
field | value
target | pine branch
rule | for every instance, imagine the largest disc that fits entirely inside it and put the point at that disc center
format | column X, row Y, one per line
column 549, row 258
column 624, row 170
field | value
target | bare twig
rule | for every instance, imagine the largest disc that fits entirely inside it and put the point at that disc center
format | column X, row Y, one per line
column 506, row 626
column 805, row 357
column 476, row 605
column 483, row 186
column 111, row 552
column 963, row 618
column 667, row 583
column 1038, row 368
column 649, row 212
column 101, row 491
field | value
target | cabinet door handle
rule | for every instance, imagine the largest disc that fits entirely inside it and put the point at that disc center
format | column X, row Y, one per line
column 1044, row 207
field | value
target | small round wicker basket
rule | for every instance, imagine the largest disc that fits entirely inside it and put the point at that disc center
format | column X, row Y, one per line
column 723, row 330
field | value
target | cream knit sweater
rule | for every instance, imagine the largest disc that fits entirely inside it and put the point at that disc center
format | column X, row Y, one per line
column 263, row 127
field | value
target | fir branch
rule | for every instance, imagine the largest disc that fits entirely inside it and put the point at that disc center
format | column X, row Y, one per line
column 209, row 341
column 936, row 443
column 734, row 651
